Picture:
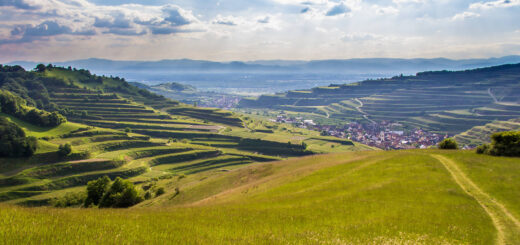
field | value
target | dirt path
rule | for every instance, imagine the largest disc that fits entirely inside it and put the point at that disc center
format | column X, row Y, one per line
column 508, row 227
column 365, row 115
column 492, row 95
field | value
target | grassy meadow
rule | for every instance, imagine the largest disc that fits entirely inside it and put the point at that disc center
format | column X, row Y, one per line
column 397, row 197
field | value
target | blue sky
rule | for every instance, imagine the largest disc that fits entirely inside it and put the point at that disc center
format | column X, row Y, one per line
column 223, row 30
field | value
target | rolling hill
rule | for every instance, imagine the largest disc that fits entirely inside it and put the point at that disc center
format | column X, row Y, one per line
column 356, row 66
column 397, row 197
column 268, row 76
column 444, row 101
column 229, row 178
column 118, row 130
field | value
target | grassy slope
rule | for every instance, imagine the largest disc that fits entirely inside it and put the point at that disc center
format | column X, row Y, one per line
column 102, row 137
column 359, row 197
column 32, row 130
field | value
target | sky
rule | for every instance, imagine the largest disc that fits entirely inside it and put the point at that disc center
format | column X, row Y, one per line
column 225, row 30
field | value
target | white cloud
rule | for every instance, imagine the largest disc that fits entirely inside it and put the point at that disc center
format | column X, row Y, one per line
column 409, row 1
column 237, row 29
column 357, row 37
column 495, row 4
column 465, row 15
column 387, row 10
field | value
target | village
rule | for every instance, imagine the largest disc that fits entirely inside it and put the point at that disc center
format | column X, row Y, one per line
column 384, row 135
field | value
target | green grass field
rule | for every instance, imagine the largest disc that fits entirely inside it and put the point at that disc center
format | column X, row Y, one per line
column 375, row 197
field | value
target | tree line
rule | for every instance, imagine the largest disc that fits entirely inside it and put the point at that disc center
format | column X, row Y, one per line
column 15, row 106
column 13, row 141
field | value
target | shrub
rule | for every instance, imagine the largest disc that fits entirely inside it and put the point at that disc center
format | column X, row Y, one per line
column 147, row 195
column 505, row 144
column 159, row 191
column 64, row 150
column 128, row 130
column 121, row 194
column 483, row 149
column 448, row 144
column 70, row 199
column 95, row 190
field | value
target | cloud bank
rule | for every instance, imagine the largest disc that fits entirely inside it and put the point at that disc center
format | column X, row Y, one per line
column 257, row 29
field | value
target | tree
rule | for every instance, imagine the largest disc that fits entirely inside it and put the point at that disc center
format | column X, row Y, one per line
column 448, row 144
column 502, row 144
column 95, row 190
column 65, row 150
column 159, row 191
column 40, row 68
column 121, row 194
column 483, row 149
column 55, row 119
column 13, row 142
column 128, row 130
column 30, row 146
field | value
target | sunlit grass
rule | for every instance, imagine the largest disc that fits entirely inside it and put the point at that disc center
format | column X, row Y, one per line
column 403, row 197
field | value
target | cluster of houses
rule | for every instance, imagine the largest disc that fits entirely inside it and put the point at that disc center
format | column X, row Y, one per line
column 223, row 102
column 385, row 135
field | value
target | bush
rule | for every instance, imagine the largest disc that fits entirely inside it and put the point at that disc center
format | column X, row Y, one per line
column 121, row 194
column 147, row 195
column 70, row 199
column 448, row 144
column 95, row 191
column 64, row 150
column 159, row 191
column 128, row 130
column 505, row 144
column 483, row 149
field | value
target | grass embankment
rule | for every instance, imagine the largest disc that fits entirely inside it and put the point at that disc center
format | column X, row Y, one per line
column 482, row 134
column 403, row 197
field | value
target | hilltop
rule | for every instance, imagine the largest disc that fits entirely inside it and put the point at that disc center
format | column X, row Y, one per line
column 268, row 76
column 445, row 102
column 357, row 66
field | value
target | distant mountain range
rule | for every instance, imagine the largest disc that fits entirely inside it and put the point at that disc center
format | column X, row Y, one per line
column 347, row 66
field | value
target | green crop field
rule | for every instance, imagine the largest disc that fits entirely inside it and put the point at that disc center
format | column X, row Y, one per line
column 400, row 197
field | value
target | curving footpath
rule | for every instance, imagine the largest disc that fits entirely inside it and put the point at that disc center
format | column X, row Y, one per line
column 507, row 225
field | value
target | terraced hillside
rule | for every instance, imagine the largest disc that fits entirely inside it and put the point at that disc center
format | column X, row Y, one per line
column 481, row 134
column 99, row 152
column 138, row 136
column 447, row 102
column 396, row 197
